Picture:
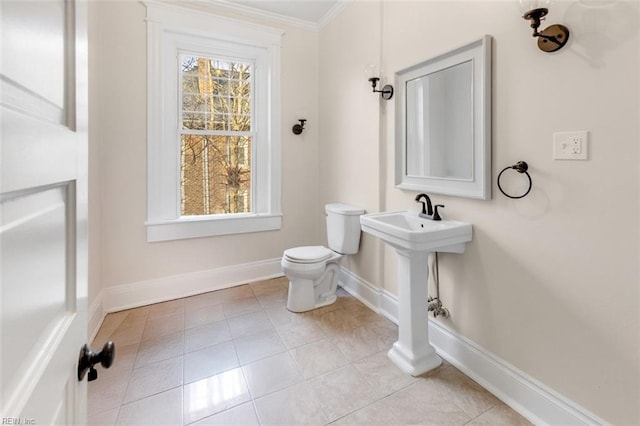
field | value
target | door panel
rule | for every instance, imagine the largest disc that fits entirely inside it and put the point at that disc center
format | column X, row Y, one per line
column 34, row 253
column 38, row 27
column 43, row 171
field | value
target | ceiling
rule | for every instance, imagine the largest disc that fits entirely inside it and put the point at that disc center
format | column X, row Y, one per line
column 310, row 11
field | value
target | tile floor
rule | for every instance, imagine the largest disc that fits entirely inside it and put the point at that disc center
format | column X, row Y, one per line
column 237, row 356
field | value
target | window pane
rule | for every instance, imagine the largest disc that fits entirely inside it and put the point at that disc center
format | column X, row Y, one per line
column 216, row 94
column 215, row 174
column 194, row 111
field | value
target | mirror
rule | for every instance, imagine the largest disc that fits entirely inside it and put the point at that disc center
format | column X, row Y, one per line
column 443, row 123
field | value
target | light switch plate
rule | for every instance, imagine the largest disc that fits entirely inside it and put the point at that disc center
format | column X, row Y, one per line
column 571, row 145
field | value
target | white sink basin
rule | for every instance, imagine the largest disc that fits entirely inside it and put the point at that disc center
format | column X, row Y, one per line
column 406, row 230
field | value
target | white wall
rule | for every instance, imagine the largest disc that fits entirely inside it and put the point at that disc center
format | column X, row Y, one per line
column 118, row 105
column 550, row 283
column 350, row 167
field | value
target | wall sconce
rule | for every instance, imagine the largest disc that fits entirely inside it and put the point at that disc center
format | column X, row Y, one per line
column 298, row 128
column 552, row 38
column 387, row 90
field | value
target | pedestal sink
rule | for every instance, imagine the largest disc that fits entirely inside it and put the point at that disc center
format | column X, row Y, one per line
column 414, row 238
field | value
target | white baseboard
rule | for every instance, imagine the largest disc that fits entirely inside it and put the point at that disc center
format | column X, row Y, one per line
column 141, row 293
column 526, row 395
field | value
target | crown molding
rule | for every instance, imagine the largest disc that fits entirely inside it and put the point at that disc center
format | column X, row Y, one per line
column 332, row 13
column 212, row 6
column 188, row 14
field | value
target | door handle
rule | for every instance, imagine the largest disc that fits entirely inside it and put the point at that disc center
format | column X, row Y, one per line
column 89, row 358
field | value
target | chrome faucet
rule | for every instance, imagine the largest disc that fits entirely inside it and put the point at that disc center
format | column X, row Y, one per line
column 428, row 211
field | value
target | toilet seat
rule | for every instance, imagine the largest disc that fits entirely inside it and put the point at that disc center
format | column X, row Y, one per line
column 308, row 254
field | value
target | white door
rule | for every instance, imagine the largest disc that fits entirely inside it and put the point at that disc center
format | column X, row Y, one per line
column 43, row 211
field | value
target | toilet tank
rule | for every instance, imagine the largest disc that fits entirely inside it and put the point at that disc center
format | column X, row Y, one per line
column 343, row 227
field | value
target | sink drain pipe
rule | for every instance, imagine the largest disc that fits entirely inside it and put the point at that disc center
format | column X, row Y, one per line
column 433, row 303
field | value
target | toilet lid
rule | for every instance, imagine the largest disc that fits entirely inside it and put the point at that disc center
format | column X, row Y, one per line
column 308, row 254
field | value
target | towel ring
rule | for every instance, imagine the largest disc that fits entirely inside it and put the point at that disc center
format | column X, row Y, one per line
column 520, row 167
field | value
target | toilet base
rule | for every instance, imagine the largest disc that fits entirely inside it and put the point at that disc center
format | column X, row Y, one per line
column 301, row 297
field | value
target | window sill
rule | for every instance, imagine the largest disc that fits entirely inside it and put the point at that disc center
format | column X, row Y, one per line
column 207, row 226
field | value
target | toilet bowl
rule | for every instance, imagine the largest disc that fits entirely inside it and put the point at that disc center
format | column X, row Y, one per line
column 313, row 274
column 313, row 270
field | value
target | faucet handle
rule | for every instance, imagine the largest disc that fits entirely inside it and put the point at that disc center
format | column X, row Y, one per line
column 436, row 215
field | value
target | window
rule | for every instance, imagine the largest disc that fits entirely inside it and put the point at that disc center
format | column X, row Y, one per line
column 216, row 111
column 213, row 125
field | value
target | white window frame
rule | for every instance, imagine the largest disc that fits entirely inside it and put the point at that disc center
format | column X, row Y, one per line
column 174, row 30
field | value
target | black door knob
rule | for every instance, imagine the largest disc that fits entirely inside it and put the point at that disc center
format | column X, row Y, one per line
column 89, row 358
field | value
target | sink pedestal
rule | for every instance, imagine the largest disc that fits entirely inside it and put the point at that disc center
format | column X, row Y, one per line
column 413, row 353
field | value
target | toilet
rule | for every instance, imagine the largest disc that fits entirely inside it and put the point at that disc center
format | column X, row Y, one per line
column 313, row 270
